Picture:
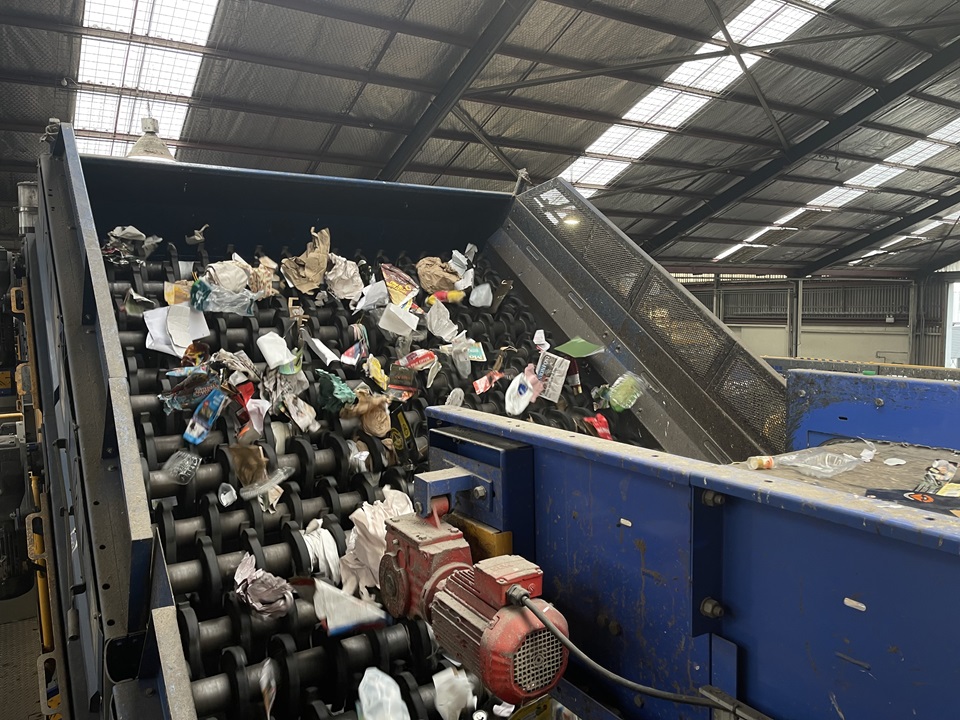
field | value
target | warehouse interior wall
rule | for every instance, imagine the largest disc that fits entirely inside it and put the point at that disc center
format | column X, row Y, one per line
column 859, row 321
column 830, row 342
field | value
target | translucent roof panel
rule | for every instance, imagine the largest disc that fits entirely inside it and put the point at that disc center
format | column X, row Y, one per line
column 835, row 197
column 876, row 175
column 181, row 20
column 96, row 111
column 171, row 116
column 915, row 153
column 109, row 14
column 625, row 141
column 100, row 146
column 161, row 70
column 670, row 108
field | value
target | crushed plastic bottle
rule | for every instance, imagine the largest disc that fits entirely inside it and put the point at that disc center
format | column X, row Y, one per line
column 625, row 391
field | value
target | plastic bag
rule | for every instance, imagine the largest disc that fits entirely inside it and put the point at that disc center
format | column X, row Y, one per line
column 367, row 541
column 182, row 466
column 812, row 462
column 230, row 275
column 523, row 390
column 264, row 486
column 342, row 614
column 266, row 593
column 482, row 296
column 380, row 697
column 209, row 297
column 322, row 548
column 454, row 693
column 439, row 322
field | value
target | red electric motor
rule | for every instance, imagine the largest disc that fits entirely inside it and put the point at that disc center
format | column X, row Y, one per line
column 427, row 573
column 420, row 554
column 505, row 645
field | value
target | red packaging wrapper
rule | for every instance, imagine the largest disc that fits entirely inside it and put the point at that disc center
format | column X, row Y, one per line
column 483, row 384
column 599, row 423
column 418, row 360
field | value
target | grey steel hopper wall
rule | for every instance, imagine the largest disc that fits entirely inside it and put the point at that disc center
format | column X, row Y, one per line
column 720, row 394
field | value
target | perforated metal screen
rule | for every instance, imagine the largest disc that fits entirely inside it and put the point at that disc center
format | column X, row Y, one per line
column 741, row 385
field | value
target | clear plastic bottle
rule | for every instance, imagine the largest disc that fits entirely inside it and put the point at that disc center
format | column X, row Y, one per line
column 625, row 392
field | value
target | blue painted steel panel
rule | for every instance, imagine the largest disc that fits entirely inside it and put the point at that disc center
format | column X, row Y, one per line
column 830, row 599
column 826, row 405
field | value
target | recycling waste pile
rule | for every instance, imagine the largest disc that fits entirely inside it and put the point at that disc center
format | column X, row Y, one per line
column 279, row 404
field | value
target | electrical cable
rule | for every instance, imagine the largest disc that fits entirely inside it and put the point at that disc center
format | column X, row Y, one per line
column 519, row 596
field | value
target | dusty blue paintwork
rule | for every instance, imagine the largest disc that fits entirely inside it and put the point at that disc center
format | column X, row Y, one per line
column 831, row 600
column 826, row 405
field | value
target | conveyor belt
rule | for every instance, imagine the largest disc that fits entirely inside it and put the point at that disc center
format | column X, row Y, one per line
column 714, row 399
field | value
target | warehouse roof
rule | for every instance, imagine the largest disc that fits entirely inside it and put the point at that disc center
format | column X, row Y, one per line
column 829, row 146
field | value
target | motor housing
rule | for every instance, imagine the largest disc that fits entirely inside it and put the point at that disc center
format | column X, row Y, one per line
column 514, row 654
column 419, row 555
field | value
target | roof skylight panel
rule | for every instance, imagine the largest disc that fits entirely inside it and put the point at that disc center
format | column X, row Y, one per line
column 875, row 175
column 663, row 106
column 612, row 138
column 181, row 20
column 109, row 14
column 790, row 216
column 96, row 111
column 835, row 197
column 102, row 146
column 171, row 116
column 729, row 251
column 915, row 153
column 761, row 22
column 102, row 61
column 135, row 66
column 161, row 70
column 948, row 133
column 603, row 172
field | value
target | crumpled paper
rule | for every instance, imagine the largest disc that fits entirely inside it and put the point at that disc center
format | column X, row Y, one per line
column 434, row 274
column 266, row 593
column 262, row 277
column 301, row 413
column 372, row 411
column 135, row 304
column 276, row 386
column 367, row 541
column 343, row 279
column 306, row 272
column 274, row 350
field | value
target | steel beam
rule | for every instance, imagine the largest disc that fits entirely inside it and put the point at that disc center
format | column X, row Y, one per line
column 900, row 227
column 417, row 30
column 335, row 71
column 826, row 135
column 476, row 59
column 468, row 122
column 287, row 154
column 751, row 80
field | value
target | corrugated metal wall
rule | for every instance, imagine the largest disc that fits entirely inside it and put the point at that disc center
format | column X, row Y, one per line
column 929, row 339
column 853, row 304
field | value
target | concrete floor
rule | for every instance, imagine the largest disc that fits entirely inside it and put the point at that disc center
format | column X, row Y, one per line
column 19, row 649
